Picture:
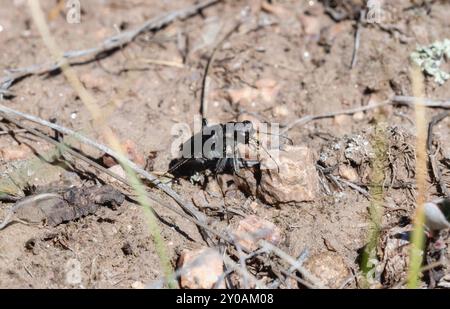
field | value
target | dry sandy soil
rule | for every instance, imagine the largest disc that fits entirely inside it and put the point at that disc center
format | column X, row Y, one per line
column 299, row 55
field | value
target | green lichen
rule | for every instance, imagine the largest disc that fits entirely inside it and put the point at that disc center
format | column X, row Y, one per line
column 429, row 59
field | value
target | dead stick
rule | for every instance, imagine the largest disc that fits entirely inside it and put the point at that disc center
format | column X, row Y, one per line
column 362, row 13
column 295, row 264
column 402, row 100
column 306, row 119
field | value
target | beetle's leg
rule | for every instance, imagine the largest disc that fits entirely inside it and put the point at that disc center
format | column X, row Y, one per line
column 221, row 164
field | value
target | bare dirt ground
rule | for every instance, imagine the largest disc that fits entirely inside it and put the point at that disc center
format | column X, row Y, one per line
column 287, row 60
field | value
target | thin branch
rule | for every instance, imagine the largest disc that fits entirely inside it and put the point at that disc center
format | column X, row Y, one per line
column 301, row 259
column 402, row 100
column 411, row 101
column 355, row 187
column 306, row 119
column 357, row 38
column 9, row 132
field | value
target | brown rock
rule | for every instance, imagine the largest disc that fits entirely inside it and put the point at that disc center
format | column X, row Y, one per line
column 246, row 180
column 252, row 229
column 245, row 95
column 337, row 29
column 108, row 161
column 203, row 269
column 199, row 200
column 296, row 181
column 329, row 268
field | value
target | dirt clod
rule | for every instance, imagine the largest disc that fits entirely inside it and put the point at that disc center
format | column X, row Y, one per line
column 329, row 267
column 72, row 204
column 252, row 229
column 127, row 249
column 296, row 181
column 203, row 269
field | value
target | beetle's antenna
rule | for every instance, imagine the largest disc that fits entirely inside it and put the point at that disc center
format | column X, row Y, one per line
column 175, row 167
column 279, row 135
column 266, row 151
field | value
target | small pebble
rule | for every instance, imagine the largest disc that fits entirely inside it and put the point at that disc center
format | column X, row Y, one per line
column 203, row 268
column 359, row 116
column 252, row 229
column 138, row 285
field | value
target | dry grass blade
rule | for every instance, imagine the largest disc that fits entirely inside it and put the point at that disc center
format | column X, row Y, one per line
column 417, row 241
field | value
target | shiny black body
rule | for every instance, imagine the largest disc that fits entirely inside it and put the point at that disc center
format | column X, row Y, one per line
column 214, row 149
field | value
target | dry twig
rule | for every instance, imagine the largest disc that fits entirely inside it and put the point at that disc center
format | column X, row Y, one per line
column 402, row 100
column 357, row 38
